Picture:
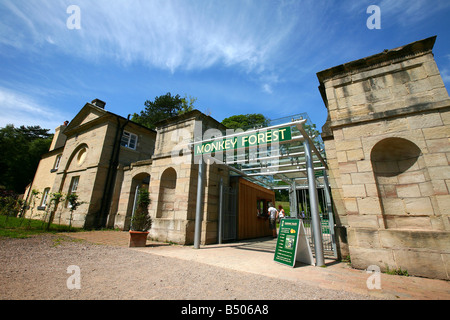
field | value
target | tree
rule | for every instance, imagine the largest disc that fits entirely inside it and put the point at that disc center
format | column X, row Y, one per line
column 22, row 149
column 141, row 220
column 163, row 107
column 246, row 121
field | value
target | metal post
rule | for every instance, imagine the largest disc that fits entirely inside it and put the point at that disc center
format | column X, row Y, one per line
column 136, row 195
column 220, row 210
column 330, row 212
column 293, row 201
column 198, row 208
column 314, row 203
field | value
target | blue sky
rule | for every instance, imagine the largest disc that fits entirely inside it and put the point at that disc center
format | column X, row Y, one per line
column 234, row 56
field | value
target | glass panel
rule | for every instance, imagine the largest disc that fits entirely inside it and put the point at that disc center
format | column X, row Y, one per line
column 74, row 184
column 44, row 197
column 261, row 208
column 125, row 139
column 58, row 160
column 133, row 140
column 129, row 140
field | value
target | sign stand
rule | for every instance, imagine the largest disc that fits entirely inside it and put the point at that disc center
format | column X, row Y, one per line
column 292, row 244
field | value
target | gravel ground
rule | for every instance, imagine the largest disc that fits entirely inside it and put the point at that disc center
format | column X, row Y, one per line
column 36, row 268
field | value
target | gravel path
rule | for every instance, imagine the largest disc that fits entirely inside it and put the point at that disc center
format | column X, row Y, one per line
column 36, row 268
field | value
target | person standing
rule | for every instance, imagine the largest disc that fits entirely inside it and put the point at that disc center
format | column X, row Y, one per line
column 273, row 216
column 281, row 213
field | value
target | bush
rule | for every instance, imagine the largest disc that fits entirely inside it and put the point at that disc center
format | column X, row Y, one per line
column 9, row 203
column 141, row 220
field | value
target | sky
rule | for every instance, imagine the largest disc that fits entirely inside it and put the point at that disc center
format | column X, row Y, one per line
column 234, row 56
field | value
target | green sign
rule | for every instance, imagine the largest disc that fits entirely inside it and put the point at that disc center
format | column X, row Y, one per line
column 243, row 141
column 292, row 244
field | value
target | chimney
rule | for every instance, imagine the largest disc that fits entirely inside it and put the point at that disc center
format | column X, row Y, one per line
column 59, row 138
column 98, row 103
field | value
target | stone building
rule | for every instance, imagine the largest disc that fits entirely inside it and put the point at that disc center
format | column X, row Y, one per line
column 104, row 158
column 84, row 158
column 387, row 144
column 388, row 151
column 171, row 174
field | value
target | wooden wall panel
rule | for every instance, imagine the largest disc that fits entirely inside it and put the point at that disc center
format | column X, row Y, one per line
column 249, row 225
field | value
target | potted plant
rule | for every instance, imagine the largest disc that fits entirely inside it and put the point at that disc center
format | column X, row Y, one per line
column 141, row 221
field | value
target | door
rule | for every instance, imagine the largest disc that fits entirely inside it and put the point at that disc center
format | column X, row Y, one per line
column 229, row 213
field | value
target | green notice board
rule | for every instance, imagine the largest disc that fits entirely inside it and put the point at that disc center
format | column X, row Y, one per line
column 252, row 139
column 292, row 243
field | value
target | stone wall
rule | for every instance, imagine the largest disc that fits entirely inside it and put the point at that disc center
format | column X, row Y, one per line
column 387, row 144
column 174, row 179
column 43, row 179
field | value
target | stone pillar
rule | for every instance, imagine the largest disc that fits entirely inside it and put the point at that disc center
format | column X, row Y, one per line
column 387, row 144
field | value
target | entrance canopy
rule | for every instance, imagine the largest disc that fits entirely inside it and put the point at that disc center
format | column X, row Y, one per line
column 285, row 153
column 273, row 156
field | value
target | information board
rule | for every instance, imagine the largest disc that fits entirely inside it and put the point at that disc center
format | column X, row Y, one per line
column 292, row 243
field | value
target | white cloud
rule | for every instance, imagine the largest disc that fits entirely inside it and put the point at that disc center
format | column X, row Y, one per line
column 407, row 12
column 165, row 34
column 445, row 74
column 267, row 88
column 177, row 35
column 260, row 38
column 19, row 109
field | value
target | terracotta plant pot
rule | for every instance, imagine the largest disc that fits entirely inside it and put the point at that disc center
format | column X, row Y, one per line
column 138, row 238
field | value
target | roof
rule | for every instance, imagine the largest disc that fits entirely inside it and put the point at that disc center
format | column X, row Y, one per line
column 414, row 48
column 102, row 115
column 188, row 115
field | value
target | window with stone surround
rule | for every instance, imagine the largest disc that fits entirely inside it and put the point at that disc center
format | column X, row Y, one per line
column 57, row 163
column 129, row 140
column 44, row 199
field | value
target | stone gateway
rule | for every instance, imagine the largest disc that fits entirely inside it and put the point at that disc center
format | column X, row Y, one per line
column 387, row 145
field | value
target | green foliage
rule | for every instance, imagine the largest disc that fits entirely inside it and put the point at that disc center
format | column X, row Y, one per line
column 34, row 196
column 163, row 107
column 311, row 130
column 141, row 220
column 246, row 121
column 10, row 204
column 347, row 260
column 72, row 199
column 187, row 104
column 22, row 149
column 398, row 272
column 282, row 195
column 55, row 199
column 12, row 227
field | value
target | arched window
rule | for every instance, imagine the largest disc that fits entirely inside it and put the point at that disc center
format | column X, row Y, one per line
column 166, row 199
column 77, row 158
